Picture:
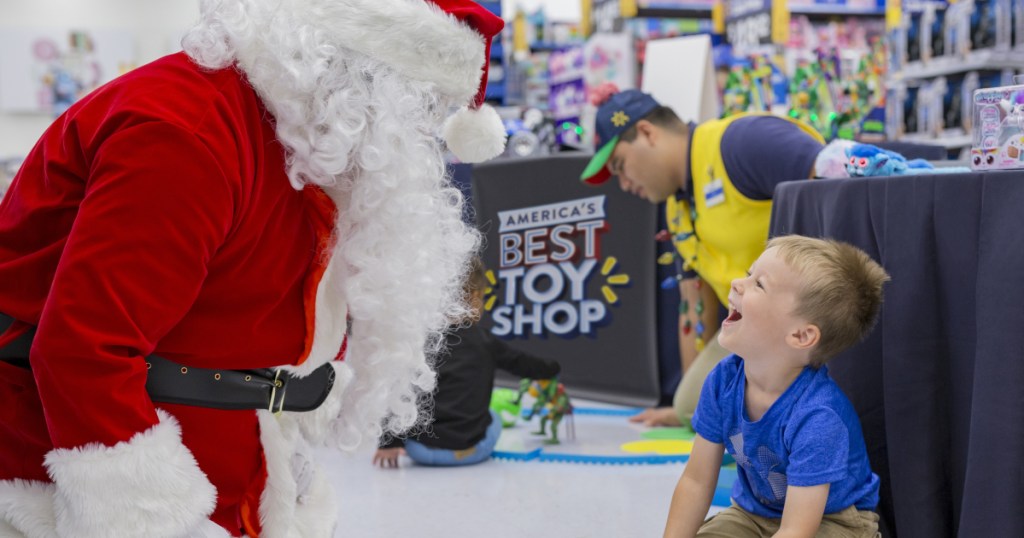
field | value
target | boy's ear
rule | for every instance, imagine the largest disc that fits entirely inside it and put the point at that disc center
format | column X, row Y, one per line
column 804, row 337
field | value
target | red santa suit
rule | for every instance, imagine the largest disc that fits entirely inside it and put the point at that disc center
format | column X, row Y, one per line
column 156, row 217
column 164, row 224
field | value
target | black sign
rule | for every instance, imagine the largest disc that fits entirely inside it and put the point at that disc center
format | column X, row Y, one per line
column 572, row 270
column 748, row 23
column 606, row 16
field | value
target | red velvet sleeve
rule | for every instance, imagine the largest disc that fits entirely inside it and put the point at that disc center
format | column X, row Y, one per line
column 156, row 208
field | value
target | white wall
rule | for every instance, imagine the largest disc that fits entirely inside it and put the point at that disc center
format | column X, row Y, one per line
column 157, row 26
column 556, row 10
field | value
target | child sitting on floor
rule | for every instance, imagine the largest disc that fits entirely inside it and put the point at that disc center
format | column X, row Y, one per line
column 465, row 430
column 800, row 454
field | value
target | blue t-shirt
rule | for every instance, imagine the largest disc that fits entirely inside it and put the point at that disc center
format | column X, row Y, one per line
column 808, row 437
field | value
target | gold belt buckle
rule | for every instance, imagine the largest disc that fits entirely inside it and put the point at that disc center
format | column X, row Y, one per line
column 278, row 384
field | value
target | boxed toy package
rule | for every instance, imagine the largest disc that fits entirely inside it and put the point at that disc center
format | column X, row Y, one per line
column 998, row 128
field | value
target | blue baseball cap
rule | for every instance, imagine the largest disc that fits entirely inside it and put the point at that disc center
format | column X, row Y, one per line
column 620, row 112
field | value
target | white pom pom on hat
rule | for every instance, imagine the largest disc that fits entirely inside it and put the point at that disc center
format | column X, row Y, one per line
column 475, row 134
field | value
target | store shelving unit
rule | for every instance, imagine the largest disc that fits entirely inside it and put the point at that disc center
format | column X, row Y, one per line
column 928, row 87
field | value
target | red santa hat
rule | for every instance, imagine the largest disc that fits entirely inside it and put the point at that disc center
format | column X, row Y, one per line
column 445, row 42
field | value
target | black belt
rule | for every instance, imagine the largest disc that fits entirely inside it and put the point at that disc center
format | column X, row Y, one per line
column 170, row 382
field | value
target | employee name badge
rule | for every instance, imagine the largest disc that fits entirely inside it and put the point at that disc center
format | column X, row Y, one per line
column 714, row 193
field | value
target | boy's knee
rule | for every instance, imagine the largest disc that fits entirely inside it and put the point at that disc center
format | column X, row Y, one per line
column 849, row 523
column 732, row 522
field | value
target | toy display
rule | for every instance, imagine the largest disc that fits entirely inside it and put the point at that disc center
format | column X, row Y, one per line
column 568, row 93
column 840, row 94
column 736, row 96
column 958, row 29
column 952, row 104
column 755, row 84
column 530, row 132
column 998, row 133
column 983, row 24
column 910, row 110
column 939, row 34
column 551, row 403
column 912, row 38
column 931, row 36
column 1017, row 23
column 814, row 87
column 970, row 83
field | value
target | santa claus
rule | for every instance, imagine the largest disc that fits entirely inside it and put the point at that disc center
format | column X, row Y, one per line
column 185, row 250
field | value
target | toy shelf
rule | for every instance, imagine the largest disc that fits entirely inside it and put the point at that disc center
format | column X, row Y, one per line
column 688, row 9
column 948, row 142
column 977, row 60
column 837, row 8
column 674, row 10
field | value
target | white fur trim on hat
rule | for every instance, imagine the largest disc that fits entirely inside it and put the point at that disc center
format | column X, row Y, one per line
column 149, row 485
column 475, row 135
column 419, row 40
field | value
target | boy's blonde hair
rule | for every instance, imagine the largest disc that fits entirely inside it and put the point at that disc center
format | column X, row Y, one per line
column 841, row 291
column 476, row 279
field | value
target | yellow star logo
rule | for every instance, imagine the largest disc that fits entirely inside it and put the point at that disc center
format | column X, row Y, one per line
column 619, row 119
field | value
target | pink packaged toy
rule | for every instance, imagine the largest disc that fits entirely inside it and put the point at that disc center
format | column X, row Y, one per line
column 998, row 128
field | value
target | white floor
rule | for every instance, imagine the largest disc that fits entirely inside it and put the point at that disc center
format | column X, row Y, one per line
column 499, row 498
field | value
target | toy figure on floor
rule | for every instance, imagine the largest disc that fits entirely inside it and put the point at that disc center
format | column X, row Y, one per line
column 552, row 403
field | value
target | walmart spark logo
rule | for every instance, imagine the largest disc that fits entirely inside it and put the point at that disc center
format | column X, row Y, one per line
column 612, row 280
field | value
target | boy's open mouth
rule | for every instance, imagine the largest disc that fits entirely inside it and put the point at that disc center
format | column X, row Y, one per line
column 734, row 315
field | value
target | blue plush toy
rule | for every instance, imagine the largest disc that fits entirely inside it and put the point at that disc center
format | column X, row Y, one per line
column 865, row 160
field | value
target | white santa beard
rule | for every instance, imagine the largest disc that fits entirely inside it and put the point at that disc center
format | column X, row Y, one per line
column 365, row 134
column 402, row 246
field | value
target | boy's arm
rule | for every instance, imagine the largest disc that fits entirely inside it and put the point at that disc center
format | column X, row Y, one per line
column 696, row 488
column 803, row 511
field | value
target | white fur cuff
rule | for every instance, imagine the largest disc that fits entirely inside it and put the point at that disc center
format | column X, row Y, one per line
column 147, row 486
column 475, row 135
column 26, row 509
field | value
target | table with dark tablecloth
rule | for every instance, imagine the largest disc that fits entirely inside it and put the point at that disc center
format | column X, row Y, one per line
column 939, row 384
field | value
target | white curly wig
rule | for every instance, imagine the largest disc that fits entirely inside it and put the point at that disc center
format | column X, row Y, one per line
column 363, row 129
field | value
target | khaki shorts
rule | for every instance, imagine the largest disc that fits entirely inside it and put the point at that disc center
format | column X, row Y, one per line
column 735, row 522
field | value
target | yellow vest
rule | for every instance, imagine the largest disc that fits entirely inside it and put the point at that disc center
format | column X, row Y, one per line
column 731, row 229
